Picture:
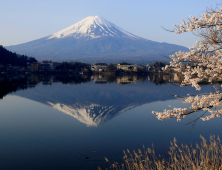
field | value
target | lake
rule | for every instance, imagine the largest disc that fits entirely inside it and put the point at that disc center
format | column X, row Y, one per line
column 56, row 122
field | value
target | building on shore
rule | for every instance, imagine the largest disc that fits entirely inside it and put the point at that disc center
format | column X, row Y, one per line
column 99, row 66
column 127, row 67
column 35, row 66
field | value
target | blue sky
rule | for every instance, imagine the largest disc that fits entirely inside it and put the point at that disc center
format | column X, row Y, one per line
column 26, row 20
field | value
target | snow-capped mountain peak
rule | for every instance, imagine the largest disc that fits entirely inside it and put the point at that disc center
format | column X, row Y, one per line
column 93, row 27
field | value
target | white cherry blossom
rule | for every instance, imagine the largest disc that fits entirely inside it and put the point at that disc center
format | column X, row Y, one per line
column 205, row 65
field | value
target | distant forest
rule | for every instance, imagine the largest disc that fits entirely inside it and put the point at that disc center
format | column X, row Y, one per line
column 8, row 57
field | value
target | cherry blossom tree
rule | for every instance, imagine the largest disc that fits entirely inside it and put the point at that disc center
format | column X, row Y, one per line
column 205, row 65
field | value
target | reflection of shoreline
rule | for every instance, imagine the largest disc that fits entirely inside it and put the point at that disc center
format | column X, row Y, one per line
column 126, row 79
column 13, row 83
column 76, row 79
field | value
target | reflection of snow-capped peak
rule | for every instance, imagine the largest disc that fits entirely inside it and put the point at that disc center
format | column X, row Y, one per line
column 91, row 115
column 93, row 27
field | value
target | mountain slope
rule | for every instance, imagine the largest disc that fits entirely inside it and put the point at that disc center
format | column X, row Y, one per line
column 95, row 38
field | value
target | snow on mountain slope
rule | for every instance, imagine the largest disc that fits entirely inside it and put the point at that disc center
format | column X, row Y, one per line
column 92, row 114
column 93, row 27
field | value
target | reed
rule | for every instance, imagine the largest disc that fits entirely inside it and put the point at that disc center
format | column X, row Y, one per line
column 206, row 156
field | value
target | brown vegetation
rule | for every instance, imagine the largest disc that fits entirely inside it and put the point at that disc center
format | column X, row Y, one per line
column 201, row 157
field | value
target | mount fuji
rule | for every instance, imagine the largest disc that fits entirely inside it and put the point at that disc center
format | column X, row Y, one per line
column 95, row 39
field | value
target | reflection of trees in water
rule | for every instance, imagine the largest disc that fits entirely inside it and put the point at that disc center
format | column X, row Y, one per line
column 159, row 81
column 111, row 78
column 162, row 79
column 12, row 83
column 74, row 79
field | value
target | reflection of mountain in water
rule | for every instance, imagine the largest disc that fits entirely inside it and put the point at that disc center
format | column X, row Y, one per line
column 91, row 115
column 92, row 103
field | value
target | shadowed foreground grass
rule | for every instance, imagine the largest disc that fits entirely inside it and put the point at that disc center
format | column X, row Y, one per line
column 199, row 157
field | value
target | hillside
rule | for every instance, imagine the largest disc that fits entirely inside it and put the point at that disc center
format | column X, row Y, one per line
column 7, row 57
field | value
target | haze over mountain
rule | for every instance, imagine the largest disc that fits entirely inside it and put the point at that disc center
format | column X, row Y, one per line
column 95, row 39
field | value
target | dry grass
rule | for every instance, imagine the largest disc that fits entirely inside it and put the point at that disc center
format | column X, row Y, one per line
column 201, row 157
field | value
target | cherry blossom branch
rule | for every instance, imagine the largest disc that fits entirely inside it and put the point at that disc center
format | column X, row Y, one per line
column 206, row 57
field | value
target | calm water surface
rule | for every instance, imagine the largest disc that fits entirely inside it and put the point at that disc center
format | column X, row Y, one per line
column 54, row 122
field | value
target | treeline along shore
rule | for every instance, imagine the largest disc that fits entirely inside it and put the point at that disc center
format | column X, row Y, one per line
column 11, row 63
